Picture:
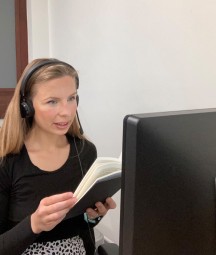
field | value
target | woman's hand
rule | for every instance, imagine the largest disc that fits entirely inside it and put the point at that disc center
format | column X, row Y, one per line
column 51, row 211
column 101, row 209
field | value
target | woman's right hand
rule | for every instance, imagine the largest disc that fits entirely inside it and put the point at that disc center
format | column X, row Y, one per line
column 51, row 211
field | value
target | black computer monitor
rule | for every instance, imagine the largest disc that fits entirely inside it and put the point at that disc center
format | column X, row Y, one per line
column 168, row 193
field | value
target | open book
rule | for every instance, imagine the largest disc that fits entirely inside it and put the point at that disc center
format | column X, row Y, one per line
column 102, row 180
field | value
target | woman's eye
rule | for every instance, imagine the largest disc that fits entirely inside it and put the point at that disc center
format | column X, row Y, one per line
column 52, row 102
column 72, row 98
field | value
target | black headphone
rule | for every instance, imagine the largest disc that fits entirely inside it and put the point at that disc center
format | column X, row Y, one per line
column 26, row 105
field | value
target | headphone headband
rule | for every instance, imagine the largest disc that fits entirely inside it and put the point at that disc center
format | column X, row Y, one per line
column 36, row 67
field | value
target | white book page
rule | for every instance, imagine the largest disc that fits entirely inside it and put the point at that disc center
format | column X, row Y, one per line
column 101, row 167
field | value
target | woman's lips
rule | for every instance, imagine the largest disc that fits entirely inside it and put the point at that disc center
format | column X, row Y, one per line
column 61, row 125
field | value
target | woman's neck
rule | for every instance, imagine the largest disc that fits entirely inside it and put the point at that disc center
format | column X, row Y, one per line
column 38, row 140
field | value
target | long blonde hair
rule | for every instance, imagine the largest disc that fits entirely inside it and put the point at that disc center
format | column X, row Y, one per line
column 15, row 128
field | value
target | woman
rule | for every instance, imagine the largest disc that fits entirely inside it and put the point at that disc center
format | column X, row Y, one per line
column 44, row 155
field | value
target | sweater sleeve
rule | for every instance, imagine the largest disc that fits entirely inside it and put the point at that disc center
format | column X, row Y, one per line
column 17, row 239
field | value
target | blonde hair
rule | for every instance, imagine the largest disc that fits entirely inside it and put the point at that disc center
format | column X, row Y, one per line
column 15, row 128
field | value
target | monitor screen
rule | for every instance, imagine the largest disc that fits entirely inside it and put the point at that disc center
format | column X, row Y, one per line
column 168, row 193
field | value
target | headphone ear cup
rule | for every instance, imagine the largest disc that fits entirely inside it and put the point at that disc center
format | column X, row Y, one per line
column 77, row 99
column 26, row 109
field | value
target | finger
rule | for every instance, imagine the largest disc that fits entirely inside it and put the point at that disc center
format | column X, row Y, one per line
column 56, row 216
column 56, row 198
column 110, row 203
column 60, row 206
column 101, row 209
column 92, row 214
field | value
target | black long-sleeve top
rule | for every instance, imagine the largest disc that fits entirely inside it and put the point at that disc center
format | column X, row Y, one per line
column 23, row 185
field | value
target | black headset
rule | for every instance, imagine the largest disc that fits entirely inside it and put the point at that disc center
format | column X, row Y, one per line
column 26, row 105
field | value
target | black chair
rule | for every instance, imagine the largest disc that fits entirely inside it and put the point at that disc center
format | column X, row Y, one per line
column 108, row 249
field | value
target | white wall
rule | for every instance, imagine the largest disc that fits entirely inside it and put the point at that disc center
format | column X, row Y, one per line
column 38, row 28
column 132, row 57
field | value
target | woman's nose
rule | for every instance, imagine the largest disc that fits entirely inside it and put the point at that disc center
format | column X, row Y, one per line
column 65, row 109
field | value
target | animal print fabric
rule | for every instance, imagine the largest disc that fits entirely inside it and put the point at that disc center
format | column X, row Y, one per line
column 70, row 246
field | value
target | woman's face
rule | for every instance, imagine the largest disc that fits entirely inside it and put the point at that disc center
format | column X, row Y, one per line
column 55, row 105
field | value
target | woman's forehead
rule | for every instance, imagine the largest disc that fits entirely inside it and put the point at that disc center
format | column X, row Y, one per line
column 56, row 86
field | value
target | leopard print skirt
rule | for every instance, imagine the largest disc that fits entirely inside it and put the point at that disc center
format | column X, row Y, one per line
column 70, row 246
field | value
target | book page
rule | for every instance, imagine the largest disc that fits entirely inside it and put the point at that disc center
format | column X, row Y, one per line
column 101, row 167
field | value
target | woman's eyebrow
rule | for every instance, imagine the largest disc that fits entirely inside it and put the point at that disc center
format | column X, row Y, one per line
column 56, row 98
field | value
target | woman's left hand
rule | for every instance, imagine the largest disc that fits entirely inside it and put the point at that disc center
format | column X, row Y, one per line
column 101, row 209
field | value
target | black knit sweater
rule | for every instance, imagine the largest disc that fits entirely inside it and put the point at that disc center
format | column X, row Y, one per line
column 23, row 185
